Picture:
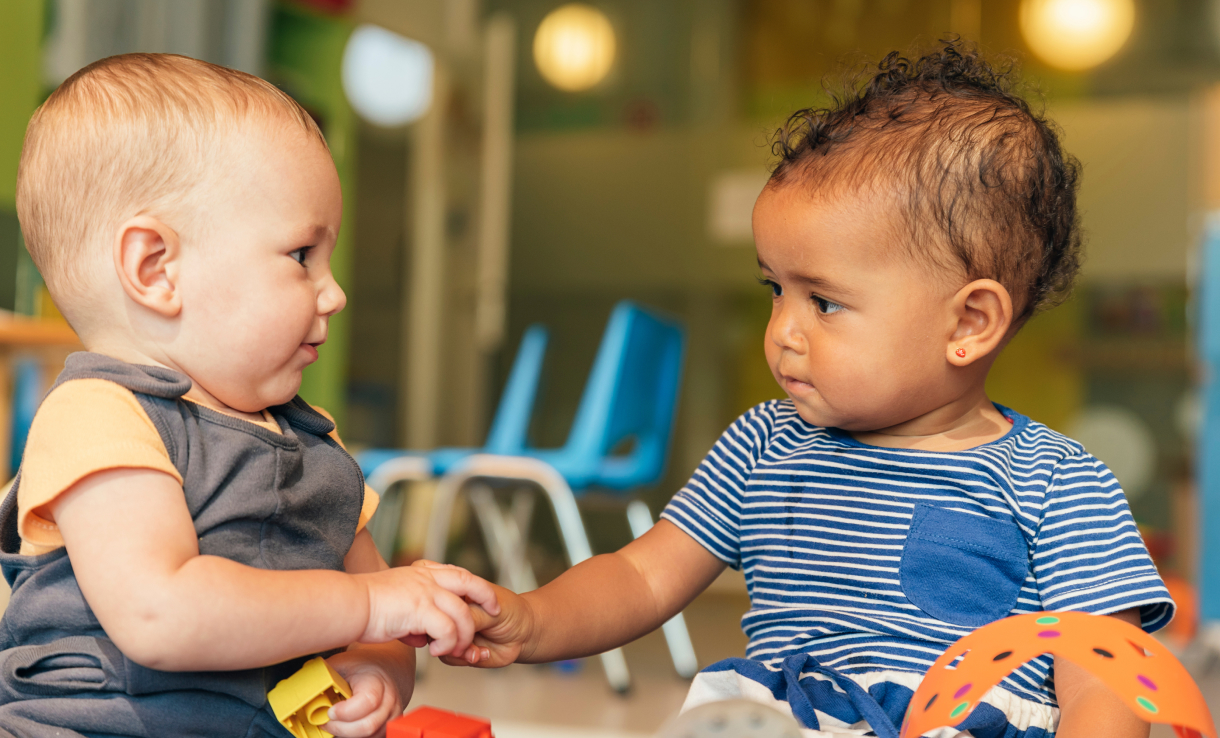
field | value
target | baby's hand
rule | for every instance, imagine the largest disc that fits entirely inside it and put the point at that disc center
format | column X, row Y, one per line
column 375, row 697
column 426, row 602
column 500, row 638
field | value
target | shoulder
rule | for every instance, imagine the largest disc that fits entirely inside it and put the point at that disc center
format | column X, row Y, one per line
column 1048, row 445
column 82, row 427
column 89, row 402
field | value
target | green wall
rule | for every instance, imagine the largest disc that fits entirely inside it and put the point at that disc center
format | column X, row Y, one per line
column 305, row 55
column 20, row 84
column 21, row 25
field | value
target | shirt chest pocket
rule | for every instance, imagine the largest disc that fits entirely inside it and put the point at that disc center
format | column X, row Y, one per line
column 961, row 568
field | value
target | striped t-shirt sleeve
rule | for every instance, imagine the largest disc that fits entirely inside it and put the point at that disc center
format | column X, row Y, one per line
column 1088, row 554
column 708, row 508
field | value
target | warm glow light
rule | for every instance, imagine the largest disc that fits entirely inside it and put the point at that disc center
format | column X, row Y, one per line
column 1076, row 34
column 574, row 47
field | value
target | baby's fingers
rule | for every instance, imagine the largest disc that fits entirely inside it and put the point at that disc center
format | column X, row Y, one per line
column 459, row 614
column 464, row 584
column 359, row 705
column 482, row 619
column 439, row 626
column 358, row 717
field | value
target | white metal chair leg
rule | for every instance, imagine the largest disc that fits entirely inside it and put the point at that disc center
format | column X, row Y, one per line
column 677, row 637
column 504, row 540
column 563, row 502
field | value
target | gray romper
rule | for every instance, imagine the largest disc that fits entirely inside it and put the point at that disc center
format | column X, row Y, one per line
column 266, row 500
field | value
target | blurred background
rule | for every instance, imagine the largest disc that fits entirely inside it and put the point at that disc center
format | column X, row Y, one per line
column 512, row 162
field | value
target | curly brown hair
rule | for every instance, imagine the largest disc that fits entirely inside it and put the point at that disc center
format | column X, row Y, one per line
column 982, row 181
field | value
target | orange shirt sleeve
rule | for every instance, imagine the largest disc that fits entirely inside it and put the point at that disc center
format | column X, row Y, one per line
column 83, row 427
column 371, row 498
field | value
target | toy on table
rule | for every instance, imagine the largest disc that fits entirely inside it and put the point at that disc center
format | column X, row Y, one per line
column 429, row 722
column 1130, row 662
column 301, row 702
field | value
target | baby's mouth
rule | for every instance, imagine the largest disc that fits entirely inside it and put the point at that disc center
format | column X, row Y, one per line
column 792, row 384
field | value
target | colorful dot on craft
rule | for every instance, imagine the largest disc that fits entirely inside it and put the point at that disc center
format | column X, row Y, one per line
column 1049, row 634
column 1103, row 653
column 966, row 688
column 1048, row 620
column 965, row 705
column 1001, row 655
column 931, row 702
column 1146, row 682
column 1147, row 704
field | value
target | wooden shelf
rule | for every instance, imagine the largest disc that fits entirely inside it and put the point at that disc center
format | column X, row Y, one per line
column 33, row 332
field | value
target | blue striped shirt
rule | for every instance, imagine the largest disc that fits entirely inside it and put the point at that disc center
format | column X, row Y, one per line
column 878, row 559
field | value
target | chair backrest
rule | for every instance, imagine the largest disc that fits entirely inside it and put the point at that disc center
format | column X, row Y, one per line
column 511, row 423
column 631, row 395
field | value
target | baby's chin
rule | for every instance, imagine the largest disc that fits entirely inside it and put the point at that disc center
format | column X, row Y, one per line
column 825, row 418
column 262, row 398
column 815, row 415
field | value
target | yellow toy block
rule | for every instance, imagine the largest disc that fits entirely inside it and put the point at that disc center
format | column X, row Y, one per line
column 302, row 700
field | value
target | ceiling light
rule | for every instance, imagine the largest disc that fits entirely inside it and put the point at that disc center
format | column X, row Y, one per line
column 1076, row 34
column 574, row 47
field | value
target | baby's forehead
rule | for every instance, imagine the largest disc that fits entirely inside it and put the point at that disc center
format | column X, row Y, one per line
column 868, row 218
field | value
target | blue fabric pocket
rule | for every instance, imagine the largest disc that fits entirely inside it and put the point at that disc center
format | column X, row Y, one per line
column 961, row 568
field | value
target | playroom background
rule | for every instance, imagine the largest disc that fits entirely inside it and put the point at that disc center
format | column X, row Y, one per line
column 529, row 183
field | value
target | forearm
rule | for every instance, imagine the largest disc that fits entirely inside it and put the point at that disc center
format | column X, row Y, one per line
column 1099, row 712
column 599, row 604
column 1087, row 707
column 215, row 614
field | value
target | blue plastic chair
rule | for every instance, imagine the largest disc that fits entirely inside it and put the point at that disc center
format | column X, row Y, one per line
column 384, row 469
column 630, row 398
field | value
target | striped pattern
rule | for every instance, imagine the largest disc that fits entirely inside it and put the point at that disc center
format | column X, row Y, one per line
column 817, row 521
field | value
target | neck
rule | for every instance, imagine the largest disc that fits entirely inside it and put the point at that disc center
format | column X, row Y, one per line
column 135, row 355
column 964, row 423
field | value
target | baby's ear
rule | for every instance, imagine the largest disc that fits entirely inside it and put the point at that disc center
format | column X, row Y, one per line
column 983, row 310
column 147, row 256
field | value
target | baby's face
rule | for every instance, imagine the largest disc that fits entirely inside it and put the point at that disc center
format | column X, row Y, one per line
column 858, row 328
column 257, row 290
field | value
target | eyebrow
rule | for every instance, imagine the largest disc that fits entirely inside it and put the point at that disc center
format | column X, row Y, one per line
column 817, row 283
column 314, row 233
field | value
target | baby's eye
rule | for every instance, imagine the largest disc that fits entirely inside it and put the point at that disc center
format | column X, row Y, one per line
column 826, row 307
column 300, row 254
column 776, row 290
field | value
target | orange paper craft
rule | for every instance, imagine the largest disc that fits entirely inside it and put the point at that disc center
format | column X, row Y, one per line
column 1132, row 663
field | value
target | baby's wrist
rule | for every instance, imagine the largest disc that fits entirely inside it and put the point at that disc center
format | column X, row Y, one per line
column 365, row 593
column 531, row 628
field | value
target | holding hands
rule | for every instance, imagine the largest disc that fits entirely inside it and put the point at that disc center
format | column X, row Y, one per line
column 427, row 604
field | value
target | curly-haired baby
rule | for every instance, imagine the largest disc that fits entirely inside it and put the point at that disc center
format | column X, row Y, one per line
column 887, row 507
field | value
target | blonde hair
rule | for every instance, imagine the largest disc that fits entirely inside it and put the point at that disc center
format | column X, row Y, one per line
column 125, row 136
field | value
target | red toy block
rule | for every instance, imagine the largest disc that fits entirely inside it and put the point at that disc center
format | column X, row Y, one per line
column 429, row 722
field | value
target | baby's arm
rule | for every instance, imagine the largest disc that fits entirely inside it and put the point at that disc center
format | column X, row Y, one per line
column 601, row 603
column 1087, row 707
column 136, row 556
